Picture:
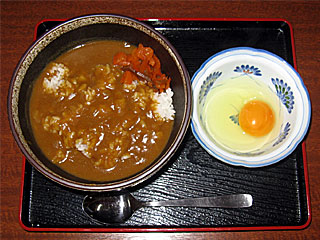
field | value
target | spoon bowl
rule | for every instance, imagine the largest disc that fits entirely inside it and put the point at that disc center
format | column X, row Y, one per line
column 119, row 207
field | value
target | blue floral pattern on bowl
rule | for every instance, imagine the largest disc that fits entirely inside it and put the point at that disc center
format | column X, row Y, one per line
column 283, row 134
column 207, row 85
column 235, row 118
column 281, row 78
column 246, row 69
column 284, row 93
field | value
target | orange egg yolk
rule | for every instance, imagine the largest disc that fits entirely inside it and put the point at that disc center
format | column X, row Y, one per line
column 256, row 118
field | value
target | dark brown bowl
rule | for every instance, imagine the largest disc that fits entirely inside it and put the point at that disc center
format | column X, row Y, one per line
column 73, row 33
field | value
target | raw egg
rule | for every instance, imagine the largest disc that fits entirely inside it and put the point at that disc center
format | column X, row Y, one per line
column 242, row 114
column 256, row 118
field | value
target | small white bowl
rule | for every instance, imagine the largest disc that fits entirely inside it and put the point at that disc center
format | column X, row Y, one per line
column 283, row 81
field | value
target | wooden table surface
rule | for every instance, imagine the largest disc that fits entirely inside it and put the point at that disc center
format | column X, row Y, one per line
column 18, row 20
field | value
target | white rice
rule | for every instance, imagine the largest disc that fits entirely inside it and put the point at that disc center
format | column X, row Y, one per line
column 58, row 73
column 164, row 107
column 82, row 147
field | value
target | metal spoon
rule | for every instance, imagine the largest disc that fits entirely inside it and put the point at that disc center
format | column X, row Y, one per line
column 118, row 208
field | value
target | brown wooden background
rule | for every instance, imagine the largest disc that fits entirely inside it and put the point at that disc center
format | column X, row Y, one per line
column 18, row 20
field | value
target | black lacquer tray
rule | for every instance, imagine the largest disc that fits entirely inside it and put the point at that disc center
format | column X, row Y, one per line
column 280, row 191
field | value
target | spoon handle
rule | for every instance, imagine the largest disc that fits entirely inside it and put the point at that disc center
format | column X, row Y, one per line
column 225, row 201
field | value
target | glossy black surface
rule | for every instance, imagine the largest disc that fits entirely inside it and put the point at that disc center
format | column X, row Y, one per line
column 279, row 190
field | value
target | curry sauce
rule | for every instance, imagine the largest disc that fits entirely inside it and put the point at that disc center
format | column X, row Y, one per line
column 91, row 124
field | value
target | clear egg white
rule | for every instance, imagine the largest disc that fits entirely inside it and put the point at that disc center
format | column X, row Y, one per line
column 222, row 106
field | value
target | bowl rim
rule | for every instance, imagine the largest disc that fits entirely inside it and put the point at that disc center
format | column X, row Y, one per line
column 289, row 148
column 138, row 177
